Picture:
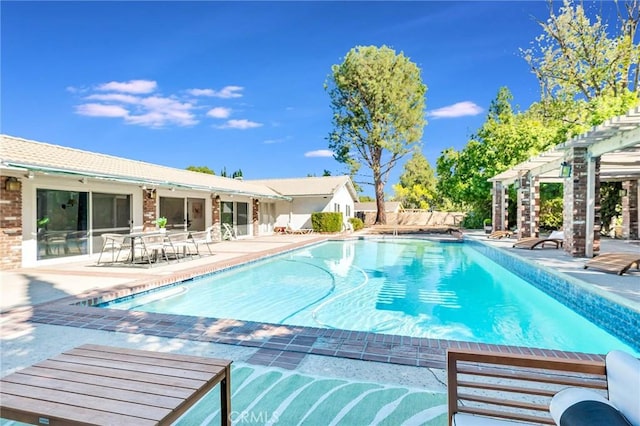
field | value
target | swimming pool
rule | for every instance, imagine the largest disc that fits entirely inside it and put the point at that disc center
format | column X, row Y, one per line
column 402, row 286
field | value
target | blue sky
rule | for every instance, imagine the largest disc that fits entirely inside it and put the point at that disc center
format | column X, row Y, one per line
column 240, row 84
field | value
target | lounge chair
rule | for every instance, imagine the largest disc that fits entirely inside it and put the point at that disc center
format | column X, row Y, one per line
column 618, row 263
column 556, row 238
column 500, row 234
column 290, row 230
column 490, row 388
column 229, row 232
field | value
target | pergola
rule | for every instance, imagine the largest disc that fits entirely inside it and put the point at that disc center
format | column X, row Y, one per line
column 609, row 152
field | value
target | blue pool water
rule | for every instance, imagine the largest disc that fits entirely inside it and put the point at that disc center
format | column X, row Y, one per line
column 405, row 287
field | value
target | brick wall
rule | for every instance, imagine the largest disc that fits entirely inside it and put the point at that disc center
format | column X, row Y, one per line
column 149, row 200
column 524, row 206
column 499, row 214
column 216, row 235
column 256, row 217
column 630, row 210
column 10, row 227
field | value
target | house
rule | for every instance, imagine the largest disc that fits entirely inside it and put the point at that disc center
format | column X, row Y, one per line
column 56, row 201
column 311, row 194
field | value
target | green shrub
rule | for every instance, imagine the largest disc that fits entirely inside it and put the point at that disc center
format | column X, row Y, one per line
column 473, row 220
column 551, row 213
column 326, row 221
column 357, row 223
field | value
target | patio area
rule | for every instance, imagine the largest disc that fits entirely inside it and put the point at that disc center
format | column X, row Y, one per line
column 38, row 320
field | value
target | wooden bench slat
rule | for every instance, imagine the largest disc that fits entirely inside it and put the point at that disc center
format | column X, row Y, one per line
column 99, row 391
column 139, row 368
column 503, row 402
column 508, row 415
column 77, row 400
column 122, row 374
column 506, row 388
column 137, row 360
column 157, row 355
column 111, row 382
column 596, row 383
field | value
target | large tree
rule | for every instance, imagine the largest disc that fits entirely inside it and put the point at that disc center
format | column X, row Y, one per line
column 417, row 186
column 575, row 58
column 378, row 103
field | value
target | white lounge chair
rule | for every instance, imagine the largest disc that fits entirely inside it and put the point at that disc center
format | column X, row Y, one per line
column 291, row 230
column 229, row 232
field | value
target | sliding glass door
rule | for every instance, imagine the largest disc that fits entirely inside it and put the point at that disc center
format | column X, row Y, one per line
column 61, row 223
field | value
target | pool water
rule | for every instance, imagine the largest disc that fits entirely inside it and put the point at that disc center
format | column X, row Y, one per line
column 407, row 287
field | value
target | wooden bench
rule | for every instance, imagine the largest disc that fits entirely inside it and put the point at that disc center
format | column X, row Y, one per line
column 489, row 388
column 94, row 384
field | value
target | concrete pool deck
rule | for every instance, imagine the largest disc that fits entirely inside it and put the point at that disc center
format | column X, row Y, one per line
column 38, row 320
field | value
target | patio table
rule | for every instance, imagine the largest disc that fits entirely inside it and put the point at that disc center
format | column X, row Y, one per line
column 94, row 384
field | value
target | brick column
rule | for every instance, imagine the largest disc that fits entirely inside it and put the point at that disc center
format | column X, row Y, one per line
column 499, row 218
column 10, row 226
column 524, row 206
column 630, row 210
column 577, row 203
column 256, row 217
column 149, row 202
column 216, row 234
column 535, row 206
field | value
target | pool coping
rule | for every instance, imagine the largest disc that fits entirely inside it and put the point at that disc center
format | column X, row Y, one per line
column 277, row 345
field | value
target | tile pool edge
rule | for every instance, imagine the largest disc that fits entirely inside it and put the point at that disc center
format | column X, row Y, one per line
column 607, row 311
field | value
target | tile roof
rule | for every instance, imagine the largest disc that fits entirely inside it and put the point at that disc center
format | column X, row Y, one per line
column 30, row 155
column 309, row 186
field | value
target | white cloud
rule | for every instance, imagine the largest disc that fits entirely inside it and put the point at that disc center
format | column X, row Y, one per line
column 229, row 92
column 226, row 92
column 115, row 97
column 100, row 110
column 460, row 109
column 272, row 141
column 131, row 86
column 240, row 124
column 219, row 112
column 319, row 153
column 201, row 92
column 138, row 102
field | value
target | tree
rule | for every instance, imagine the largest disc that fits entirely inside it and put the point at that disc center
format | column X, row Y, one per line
column 505, row 139
column 201, row 169
column 237, row 174
column 417, row 186
column 575, row 58
column 378, row 102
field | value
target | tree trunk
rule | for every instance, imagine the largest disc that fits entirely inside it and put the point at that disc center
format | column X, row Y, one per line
column 381, row 215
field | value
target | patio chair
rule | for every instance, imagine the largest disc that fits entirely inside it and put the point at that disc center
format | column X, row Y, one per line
column 290, row 230
column 201, row 237
column 112, row 243
column 154, row 244
column 229, row 232
column 618, row 263
column 180, row 242
column 487, row 388
column 556, row 238
column 500, row 234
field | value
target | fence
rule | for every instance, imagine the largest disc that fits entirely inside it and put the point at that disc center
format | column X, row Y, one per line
column 416, row 217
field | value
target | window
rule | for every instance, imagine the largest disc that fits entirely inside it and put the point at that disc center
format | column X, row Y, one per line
column 110, row 213
column 61, row 223
column 348, row 210
column 336, row 207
